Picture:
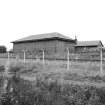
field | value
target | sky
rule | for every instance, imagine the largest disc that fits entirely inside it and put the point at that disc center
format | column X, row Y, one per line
column 21, row 18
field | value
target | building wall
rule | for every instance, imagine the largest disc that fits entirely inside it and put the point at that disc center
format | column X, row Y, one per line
column 71, row 46
column 85, row 48
column 88, row 48
column 35, row 46
column 51, row 47
column 62, row 49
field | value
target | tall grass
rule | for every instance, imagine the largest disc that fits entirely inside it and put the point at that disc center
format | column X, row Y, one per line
column 53, row 93
column 46, row 90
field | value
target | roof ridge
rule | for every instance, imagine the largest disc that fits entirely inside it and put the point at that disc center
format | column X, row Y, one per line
column 90, row 41
column 43, row 36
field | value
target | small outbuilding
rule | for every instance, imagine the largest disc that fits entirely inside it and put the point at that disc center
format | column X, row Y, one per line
column 88, row 45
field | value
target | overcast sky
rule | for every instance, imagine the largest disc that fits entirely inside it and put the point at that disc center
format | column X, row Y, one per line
column 83, row 18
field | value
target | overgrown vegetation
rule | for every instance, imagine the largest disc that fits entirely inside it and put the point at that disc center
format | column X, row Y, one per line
column 46, row 89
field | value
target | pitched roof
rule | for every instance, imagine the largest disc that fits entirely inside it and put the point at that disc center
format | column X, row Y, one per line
column 89, row 43
column 43, row 36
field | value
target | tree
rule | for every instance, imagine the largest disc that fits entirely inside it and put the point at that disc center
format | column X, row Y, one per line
column 3, row 49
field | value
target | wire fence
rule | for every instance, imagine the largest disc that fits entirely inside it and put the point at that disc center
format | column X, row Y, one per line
column 85, row 60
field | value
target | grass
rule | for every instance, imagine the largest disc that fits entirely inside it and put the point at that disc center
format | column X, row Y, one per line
column 51, row 92
column 53, row 84
column 80, row 72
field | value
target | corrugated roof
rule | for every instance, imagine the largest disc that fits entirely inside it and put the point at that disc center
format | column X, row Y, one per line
column 89, row 43
column 43, row 36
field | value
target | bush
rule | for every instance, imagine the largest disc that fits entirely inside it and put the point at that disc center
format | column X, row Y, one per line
column 53, row 93
column 48, row 91
column 3, row 49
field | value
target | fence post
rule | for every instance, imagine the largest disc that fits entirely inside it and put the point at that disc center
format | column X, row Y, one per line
column 7, row 63
column 68, row 62
column 24, row 56
column 8, row 56
column 43, row 57
column 101, row 68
